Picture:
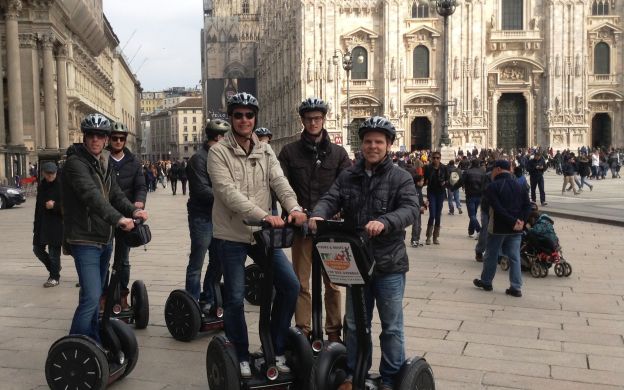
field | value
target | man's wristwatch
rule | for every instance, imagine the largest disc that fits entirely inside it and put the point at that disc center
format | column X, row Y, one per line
column 296, row 208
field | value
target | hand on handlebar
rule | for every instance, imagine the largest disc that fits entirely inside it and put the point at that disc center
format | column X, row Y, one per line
column 274, row 220
column 312, row 224
column 374, row 228
column 297, row 218
column 126, row 224
column 140, row 214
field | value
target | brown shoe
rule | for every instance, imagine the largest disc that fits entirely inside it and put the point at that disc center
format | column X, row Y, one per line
column 346, row 385
column 334, row 337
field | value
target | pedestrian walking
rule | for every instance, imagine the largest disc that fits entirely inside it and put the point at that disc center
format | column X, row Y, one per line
column 509, row 210
column 182, row 176
column 473, row 181
column 174, row 173
column 436, row 178
column 48, row 223
column 536, row 167
column 452, row 189
column 419, row 182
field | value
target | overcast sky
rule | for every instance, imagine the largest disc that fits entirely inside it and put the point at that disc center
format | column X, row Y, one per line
column 165, row 44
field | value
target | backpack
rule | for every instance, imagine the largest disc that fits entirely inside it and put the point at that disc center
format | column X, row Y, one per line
column 454, row 178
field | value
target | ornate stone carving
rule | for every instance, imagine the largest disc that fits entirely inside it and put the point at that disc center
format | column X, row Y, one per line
column 579, row 104
column 512, row 73
column 477, row 69
column 47, row 41
column 456, row 68
column 13, row 8
column 393, row 72
column 476, row 105
column 558, row 139
column 577, row 65
column 557, row 105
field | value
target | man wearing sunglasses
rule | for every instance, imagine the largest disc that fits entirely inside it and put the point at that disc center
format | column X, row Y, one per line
column 311, row 165
column 93, row 205
column 243, row 171
column 129, row 174
column 436, row 178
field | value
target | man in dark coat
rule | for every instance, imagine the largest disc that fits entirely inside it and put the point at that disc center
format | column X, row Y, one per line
column 536, row 167
column 509, row 208
column 311, row 165
column 130, row 178
column 379, row 197
column 174, row 174
column 48, row 226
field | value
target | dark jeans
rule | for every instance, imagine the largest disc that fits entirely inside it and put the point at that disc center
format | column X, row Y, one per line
column 92, row 266
column 233, row 256
column 417, row 227
column 122, row 254
column 537, row 181
column 483, row 234
column 387, row 291
column 453, row 197
column 50, row 259
column 200, row 229
column 436, row 201
column 183, row 181
column 174, row 186
column 472, row 205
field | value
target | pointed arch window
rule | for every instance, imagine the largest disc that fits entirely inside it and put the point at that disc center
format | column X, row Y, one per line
column 360, row 63
column 600, row 7
column 602, row 59
column 420, row 9
column 245, row 7
column 421, row 62
column 512, row 15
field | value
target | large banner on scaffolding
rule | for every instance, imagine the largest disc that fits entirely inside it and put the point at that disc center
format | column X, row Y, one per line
column 218, row 91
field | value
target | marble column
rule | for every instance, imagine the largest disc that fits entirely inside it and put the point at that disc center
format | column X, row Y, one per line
column 14, row 78
column 51, row 135
column 61, row 97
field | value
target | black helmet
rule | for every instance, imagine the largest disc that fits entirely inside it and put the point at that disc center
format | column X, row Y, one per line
column 242, row 99
column 120, row 128
column 263, row 132
column 312, row 104
column 216, row 127
column 377, row 123
column 95, row 123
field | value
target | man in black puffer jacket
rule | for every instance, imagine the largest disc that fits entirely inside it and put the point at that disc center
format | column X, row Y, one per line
column 93, row 205
column 129, row 174
column 474, row 183
column 311, row 165
column 381, row 198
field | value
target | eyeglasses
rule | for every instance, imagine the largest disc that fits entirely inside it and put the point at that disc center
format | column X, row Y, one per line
column 311, row 119
column 118, row 139
column 240, row 115
column 95, row 135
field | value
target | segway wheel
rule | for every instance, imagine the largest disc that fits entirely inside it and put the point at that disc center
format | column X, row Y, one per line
column 535, row 270
column 140, row 304
column 299, row 357
column 222, row 365
column 559, row 269
column 330, row 368
column 504, row 263
column 544, row 270
column 182, row 317
column 74, row 362
column 253, row 285
column 568, row 269
column 129, row 344
column 415, row 373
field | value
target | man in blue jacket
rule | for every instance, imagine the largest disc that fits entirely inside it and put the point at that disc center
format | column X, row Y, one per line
column 509, row 209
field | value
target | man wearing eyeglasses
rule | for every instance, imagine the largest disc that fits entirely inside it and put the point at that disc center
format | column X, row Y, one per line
column 311, row 165
column 243, row 171
column 129, row 174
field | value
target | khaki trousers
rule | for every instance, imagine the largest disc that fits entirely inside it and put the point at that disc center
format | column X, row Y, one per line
column 302, row 263
column 570, row 180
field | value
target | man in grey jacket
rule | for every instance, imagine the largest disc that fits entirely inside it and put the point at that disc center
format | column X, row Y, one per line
column 243, row 171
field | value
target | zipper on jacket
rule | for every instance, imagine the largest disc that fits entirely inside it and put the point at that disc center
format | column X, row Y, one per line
column 88, row 219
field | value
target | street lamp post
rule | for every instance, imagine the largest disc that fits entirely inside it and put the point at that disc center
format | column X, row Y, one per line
column 347, row 65
column 445, row 8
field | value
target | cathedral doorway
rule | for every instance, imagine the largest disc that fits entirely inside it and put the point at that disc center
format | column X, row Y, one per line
column 511, row 122
column 601, row 130
column 421, row 133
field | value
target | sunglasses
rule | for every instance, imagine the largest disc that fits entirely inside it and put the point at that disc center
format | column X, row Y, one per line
column 119, row 139
column 240, row 115
column 95, row 135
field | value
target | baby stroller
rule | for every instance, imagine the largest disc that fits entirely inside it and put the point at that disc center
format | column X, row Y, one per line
column 540, row 249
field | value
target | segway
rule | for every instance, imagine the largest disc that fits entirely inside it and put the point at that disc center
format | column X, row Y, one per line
column 78, row 361
column 347, row 260
column 222, row 366
column 184, row 317
column 138, row 311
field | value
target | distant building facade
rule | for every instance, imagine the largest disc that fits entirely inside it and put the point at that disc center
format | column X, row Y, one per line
column 60, row 61
column 520, row 72
column 176, row 133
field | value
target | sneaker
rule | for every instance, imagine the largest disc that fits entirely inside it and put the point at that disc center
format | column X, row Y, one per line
column 591, row 188
column 280, row 362
column 415, row 244
column 479, row 257
column 513, row 292
column 460, row 211
column 471, row 235
column 451, row 213
column 480, row 284
column 544, row 204
column 51, row 283
column 245, row 370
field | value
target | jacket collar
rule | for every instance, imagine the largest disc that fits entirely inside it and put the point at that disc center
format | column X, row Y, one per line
column 258, row 148
column 81, row 151
column 504, row 176
column 360, row 169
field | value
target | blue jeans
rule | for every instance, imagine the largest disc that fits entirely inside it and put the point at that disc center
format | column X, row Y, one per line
column 51, row 259
column 233, row 256
column 472, row 205
column 483, row 234
column 200, row 229
column 537, row 181
column 387, row 291
column 509, row 245
column 122, row 252
column 453, row 197
column 436, row 201
column 92, row 266
column 584, row 182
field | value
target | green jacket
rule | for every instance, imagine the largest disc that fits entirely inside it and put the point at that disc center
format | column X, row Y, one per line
column 93, row 203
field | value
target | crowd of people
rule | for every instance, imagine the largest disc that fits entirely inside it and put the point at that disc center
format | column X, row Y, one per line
column 236, row 177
